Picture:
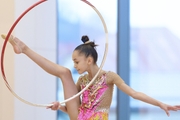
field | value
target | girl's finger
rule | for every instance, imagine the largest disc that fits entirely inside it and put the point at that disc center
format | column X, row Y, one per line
column 48, row 107
column 167, row 112
column 178, row 106
column 173, row 108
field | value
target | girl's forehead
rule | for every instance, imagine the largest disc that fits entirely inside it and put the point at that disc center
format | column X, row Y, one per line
column 77, row 54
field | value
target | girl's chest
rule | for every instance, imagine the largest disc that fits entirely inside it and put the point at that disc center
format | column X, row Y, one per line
column 98, row 83
column 98, row 87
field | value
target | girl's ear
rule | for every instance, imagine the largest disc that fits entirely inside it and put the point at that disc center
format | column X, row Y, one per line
column 90, row 60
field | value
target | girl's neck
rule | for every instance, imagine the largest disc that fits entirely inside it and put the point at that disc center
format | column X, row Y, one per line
column 92, row 72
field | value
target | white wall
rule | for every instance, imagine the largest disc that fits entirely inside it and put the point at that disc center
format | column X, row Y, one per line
column 38, row 30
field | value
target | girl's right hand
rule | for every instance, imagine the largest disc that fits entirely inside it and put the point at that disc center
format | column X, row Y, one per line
column 55, row 106
column 168, row 108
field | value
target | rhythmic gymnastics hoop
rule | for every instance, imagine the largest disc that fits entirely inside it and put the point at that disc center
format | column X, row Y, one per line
column 6, row 40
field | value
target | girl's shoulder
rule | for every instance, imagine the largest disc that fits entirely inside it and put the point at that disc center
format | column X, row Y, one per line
column 111, row 74
column 112, row 77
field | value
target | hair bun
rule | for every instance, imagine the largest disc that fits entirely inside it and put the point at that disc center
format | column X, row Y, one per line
column 85, row 38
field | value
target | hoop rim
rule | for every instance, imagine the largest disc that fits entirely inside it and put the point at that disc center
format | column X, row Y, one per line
column 6, row 40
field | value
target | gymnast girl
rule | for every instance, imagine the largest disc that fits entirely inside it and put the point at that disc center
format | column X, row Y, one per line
column 94, row 103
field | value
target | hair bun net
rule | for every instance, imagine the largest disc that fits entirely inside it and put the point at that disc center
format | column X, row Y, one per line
column 85, row 38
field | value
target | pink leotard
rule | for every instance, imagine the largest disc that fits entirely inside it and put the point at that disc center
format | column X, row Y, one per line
column 96, row 100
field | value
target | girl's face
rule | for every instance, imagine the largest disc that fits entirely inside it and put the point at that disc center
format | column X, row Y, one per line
column 81, row 63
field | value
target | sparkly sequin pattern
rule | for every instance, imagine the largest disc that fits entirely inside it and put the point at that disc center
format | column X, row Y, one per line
column 93, row 106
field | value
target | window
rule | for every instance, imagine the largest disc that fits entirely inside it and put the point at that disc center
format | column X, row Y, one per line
column 155, row 56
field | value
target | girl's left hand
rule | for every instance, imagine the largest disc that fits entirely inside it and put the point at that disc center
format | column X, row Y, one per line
column 167, row 108
column 55, row 106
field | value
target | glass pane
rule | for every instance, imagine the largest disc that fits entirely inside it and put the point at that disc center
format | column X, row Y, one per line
column 75, row 18
column 155, row 56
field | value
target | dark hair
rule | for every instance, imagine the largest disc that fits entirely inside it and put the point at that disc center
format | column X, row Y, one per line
column 88, row 48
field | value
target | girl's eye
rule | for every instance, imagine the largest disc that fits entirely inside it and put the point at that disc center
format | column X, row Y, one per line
column 76, row 62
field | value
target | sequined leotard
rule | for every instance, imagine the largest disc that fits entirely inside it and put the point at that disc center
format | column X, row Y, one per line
column 96, row 100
